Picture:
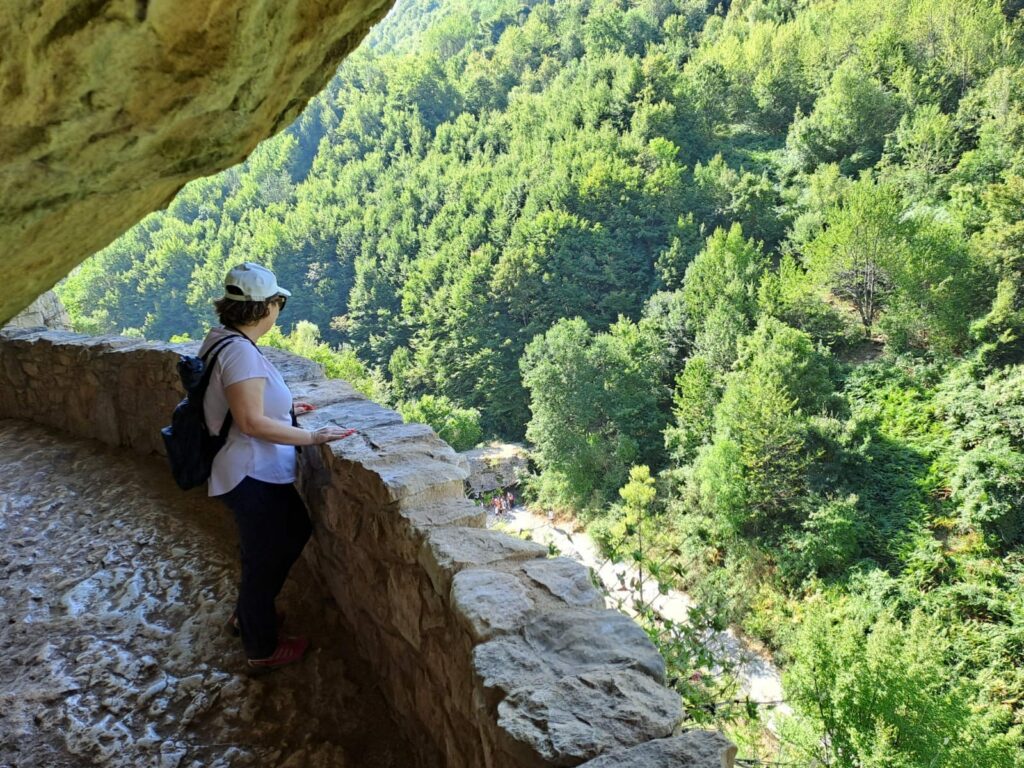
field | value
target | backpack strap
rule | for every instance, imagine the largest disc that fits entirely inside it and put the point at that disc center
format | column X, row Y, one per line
column 213, row 353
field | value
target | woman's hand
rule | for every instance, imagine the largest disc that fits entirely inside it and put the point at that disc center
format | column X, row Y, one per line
column 329, row 434
column 301, row 408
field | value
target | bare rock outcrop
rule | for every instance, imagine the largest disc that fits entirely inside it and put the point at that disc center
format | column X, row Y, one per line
column 498, row 465
column 46, row 311
column 111, row 106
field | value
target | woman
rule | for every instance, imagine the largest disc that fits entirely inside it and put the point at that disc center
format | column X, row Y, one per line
column 254, row 473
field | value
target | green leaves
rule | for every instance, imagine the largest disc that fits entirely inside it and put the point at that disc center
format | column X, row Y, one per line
column 848, row 124
column 459, row 427
column 883, row 695
column 596, row 403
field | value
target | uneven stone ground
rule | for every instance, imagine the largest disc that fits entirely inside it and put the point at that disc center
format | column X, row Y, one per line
column 114, row 588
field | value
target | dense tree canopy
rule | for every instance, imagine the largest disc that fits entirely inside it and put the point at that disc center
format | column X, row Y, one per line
column 763, row 259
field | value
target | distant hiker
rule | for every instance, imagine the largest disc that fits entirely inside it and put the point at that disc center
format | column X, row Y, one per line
column 510, row 499
column 255, row 470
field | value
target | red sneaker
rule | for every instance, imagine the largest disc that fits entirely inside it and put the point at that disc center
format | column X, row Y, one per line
column 288, row 649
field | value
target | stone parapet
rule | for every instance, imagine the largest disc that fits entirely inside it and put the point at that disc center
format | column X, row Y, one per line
column 493, row 653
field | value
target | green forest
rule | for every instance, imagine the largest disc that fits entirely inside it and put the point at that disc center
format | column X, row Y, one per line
column 746, row 276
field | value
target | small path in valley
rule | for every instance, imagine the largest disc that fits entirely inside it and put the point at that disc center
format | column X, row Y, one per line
column 757, row 675
column 114, row 590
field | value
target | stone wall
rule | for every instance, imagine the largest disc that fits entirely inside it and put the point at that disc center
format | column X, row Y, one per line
column 495, row 654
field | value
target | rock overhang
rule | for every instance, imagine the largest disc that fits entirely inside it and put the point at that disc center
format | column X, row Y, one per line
column 109, row 107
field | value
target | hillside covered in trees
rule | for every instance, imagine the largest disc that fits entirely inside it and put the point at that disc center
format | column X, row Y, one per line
column 750, row 274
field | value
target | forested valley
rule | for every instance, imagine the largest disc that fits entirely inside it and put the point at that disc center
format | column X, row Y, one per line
column 747, row 277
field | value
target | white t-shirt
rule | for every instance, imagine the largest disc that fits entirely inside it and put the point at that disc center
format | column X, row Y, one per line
column 243, row 455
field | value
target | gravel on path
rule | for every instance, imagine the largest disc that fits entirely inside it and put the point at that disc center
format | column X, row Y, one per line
column 114, row 590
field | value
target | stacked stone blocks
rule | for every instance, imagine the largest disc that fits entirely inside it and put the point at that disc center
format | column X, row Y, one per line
column 492, row 652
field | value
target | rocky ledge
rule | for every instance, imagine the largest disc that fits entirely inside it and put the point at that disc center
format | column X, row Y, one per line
column 494, row 466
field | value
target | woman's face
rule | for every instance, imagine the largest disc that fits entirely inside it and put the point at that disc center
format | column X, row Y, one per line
column 274, row 306
column 277, row 304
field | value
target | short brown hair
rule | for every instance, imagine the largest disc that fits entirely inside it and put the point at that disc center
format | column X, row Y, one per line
column 234, row 313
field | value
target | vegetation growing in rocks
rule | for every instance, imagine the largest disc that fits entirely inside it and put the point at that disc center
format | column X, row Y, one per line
column 769, row 249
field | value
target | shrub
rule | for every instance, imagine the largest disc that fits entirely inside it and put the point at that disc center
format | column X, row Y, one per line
column 459, row 427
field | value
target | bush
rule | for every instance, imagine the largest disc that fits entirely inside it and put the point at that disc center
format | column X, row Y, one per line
column 849, row 122
column 827, row 542
column 877, row 691
column 988, row 485
column 987, row 457
column 789, row 295
column 338, row 363
column 459, row 427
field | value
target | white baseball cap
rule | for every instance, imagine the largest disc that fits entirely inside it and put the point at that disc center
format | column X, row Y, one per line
column 251, row 282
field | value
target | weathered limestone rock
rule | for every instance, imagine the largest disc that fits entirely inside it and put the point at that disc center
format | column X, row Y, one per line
column 581, row 716
column 494, row 466
column 111, row 106
column 448, row 550
column 461, row 512
column 693, row 749
column 46, row 312
column 566, row 643
column 489, row 602
column 565, row 579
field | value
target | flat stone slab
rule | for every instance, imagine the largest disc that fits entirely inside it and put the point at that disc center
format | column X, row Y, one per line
column 457, row 512
column 489, row 603
column 325, row 392
column 412, row 478
column 569, row 642
column 433, row 473
column 578, row 717
column 420, row 436
column 693, row 749
column 447, row 551
column 566, row 579
column 363, row 415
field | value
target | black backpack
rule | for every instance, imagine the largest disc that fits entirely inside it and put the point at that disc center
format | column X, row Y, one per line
column 190, row 446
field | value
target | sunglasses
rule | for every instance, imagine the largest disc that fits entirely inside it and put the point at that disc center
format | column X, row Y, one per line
column 280, row 301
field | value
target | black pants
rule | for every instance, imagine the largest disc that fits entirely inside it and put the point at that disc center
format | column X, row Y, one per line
column 273, row 527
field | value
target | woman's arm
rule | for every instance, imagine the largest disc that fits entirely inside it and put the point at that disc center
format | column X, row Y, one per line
column 245, row 399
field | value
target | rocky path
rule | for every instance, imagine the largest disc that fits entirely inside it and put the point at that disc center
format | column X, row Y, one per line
column 114, row 588
column 758, row 677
